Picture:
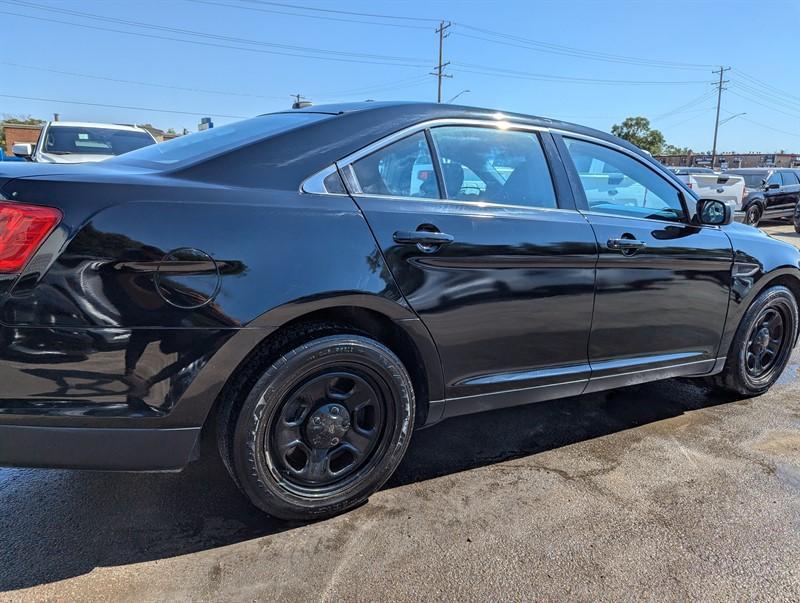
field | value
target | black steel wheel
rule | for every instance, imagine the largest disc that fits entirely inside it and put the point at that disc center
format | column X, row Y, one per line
column 753, row 215
column 763, row 343
column 323, row 428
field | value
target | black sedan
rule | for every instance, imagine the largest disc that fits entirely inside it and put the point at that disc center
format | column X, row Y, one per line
column 311, row 286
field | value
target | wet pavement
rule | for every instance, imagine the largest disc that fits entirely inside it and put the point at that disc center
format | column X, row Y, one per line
column 660, row 491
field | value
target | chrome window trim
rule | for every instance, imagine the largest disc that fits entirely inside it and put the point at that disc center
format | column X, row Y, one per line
column 434, row 123
column 315, row 184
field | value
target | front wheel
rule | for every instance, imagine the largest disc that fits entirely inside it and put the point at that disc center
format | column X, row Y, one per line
column 323, row 428
column 762, row 345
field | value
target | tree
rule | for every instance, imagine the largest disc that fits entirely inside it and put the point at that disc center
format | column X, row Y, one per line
column 669, row 149
column 637, row 130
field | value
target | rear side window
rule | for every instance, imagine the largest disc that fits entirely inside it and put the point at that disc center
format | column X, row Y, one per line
column 401, row 169
column 497, row 166
column 790, row 178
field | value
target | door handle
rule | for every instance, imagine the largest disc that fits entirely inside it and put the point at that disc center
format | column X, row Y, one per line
column 625, row 244
column 422, row 237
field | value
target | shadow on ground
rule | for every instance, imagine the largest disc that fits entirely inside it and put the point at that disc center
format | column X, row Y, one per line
column 59, row 524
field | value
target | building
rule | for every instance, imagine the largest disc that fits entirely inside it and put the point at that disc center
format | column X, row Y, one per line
column 732, row 160
column 20, row 133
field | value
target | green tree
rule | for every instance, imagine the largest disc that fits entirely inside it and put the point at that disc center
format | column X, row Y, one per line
column 673, row 150
column 637, row 130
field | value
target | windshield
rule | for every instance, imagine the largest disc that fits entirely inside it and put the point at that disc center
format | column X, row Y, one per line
column 207, row 143
column 752, row 179
column 78, row 140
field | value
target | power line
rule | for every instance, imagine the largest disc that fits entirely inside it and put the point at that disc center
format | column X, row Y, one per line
column 132, row 108
column 541, row 46
column 273, row 11
column 771, row 108
column 343, row 12
column 340, row 56
column 763, row 84
column 757, row 123
column 764, row 96
column 684, row 107
column 511, row 73
column 136, row 82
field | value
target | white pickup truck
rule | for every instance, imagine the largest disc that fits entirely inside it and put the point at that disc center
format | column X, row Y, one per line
column 710, row 185
column 81, row 142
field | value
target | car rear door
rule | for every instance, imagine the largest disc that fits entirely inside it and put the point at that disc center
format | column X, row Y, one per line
column 662, row 283
column 478, row 227
column 791, row 190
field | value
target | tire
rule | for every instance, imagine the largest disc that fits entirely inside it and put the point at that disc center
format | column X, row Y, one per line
column 753, row 214
column 323, row 427
column 744, row 372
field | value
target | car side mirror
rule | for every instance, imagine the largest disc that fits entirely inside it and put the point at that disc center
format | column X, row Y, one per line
column 714, row 212
column 772, row 186
column 22, row 149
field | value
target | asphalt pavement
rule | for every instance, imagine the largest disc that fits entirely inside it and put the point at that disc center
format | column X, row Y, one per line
column 661, row 491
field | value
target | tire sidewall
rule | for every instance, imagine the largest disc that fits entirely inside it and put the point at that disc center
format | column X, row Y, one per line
column 783, row 299
column 257, row 474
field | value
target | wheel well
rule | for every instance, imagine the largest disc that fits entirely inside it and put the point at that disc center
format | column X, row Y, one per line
column 790, row 282
column 342, row 319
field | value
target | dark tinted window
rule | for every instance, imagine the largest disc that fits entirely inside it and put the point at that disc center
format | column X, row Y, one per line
column 790, row 178
column 616, row 183
column 751, row 179
column 401, row 169
column 498, row 166
column 78, row 140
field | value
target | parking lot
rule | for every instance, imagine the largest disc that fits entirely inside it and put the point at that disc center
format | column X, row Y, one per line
column 660, row 490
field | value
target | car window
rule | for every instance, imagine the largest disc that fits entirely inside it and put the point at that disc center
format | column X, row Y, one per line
column 774, row 178
column 790, row 178
column 401, row 169
column 85, row 140
column 616, row 183
column 492, row 165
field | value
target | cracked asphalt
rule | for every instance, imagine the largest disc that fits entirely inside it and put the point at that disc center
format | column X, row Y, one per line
column 654, row 492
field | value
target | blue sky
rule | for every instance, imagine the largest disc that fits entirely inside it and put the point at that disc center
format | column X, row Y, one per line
column 512, row 55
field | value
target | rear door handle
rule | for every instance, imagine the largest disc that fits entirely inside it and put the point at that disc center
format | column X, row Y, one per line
column 626, row 244
column 422, row 237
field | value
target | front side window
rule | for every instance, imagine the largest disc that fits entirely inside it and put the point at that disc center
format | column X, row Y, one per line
column 401, row 169
column 774, row 178
column 616, row 183
column 493, row 165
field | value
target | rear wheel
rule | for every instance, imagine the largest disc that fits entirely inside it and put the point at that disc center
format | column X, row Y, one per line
column 762, row 345
column 753, row 215
column 323, row 428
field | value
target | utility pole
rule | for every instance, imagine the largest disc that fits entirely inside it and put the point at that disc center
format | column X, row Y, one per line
column 439, row 69
column 720, row 87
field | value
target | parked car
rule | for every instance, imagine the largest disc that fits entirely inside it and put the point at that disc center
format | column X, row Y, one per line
column 288, row 284
column 706, row 183
column 78, row 142
column 769, row 193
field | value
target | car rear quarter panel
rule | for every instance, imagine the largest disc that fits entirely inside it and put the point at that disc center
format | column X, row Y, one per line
column 89, row 334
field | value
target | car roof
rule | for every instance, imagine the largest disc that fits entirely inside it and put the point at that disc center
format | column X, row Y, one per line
column 429, row 111
column 89, row 124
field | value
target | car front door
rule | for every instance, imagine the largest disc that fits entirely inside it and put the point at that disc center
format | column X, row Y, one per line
column 662, row 282
column 791, row 191
column 489, row 252
column 774, row 195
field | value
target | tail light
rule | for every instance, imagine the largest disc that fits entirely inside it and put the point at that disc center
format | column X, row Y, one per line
column 22, row 230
